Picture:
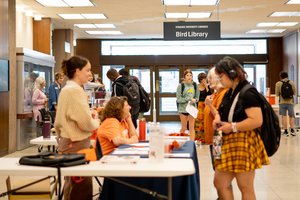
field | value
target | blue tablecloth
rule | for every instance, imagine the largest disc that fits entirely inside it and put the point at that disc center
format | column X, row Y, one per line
column 184, row 187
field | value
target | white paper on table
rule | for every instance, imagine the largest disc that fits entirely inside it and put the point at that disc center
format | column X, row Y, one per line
column 131, row 152
column 140, row 145
column 119, row 159
column 193, row 111
column 177, row 155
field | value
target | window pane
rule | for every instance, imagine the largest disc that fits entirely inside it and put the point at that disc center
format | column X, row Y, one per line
column 169, row 80
column 161, row 47
column 168, row 106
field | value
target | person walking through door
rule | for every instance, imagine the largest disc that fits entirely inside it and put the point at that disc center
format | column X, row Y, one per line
column 285, row 89
column 119, row 83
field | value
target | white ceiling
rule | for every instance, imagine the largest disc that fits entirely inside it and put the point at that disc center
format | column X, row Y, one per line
column 144, row 18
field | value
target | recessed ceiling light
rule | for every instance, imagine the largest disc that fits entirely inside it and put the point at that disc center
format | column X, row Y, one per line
column 85, row 25
column 266, row 31
column 71, row 16
column 105, row 26
column 285, row 14
column 94, row 16
column 95, row 25
column 276, row 30
column 77, row 3
column 287, row 24
column 199, row 15
column 82, row 16
column 52, row 3
column 266, row 24
column 293, row 2
column 176, row 15
column 65, row 3
column 104, row 32
column 189, row 2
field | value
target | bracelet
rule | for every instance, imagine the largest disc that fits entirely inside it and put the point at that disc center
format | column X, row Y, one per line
column 233, row 127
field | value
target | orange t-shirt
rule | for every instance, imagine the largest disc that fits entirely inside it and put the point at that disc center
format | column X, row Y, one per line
column 109, row 129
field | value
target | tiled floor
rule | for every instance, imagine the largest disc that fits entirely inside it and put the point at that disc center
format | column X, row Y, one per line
column 278, row 181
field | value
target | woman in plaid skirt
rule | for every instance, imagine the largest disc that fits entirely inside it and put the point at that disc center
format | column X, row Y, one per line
column 242, row 148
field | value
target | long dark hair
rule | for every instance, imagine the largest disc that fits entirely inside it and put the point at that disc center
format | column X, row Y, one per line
column 69, row 66
column 231, row 67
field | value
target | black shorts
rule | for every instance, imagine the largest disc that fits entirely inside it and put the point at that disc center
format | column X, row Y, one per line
column 186, row 114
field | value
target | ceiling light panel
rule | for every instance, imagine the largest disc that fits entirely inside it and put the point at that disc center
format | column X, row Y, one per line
column 65, row 3
column 82, row 16
column 176, row 15
column 71, row 16
column 52, row 3
column 95, row 25
column 190, row 2
column 78, row 3
column 276, row 30
column 287, row 24
column 195, row 15
column 105, row 26
column 266, row 24
column 293, row 2
column 85, row 25
column 94, row 16
column 285, row 14
column 104, row 32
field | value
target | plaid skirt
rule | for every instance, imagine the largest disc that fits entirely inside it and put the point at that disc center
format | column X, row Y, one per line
column 242, row 152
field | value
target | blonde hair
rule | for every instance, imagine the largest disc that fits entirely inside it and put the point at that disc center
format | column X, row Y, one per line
column 38, row 83
column 212, row 75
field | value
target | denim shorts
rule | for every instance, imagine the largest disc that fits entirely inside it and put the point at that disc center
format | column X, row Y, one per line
column 286, row 107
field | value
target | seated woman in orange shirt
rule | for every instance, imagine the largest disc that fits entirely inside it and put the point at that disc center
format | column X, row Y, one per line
column 116, row 125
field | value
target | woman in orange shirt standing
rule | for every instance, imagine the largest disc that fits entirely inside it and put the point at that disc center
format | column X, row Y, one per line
column 212, row 103
column 116, row 125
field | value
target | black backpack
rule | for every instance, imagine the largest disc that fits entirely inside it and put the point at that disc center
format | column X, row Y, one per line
column 195, row 87
column 145, row 100
column 286, row 90
column 132, row 92
column 270, row 131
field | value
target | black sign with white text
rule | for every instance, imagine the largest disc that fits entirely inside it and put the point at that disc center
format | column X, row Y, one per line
column 192, row 30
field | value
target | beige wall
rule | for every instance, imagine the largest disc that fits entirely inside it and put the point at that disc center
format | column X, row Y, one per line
column 290, row 56
column 24, row 30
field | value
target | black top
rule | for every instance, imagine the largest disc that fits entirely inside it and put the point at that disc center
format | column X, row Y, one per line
column 248, row 100
column 203, row 94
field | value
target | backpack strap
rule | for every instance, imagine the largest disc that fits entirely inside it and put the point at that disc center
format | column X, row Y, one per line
column 233, row 105
column 182, row 88
column 195, row 87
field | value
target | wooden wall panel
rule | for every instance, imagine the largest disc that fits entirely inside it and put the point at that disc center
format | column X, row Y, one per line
column 4, row 122
column 275, row 64
column 90, row 48
column 42, row 35
column 59, row 37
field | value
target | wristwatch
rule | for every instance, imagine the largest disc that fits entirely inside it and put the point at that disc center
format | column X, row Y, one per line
column 233, row 127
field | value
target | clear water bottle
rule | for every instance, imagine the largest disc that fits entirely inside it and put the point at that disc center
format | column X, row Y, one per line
column 156, row 143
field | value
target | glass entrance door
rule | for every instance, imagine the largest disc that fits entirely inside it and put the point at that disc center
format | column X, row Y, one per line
column 144, row 74
column 167, row 80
